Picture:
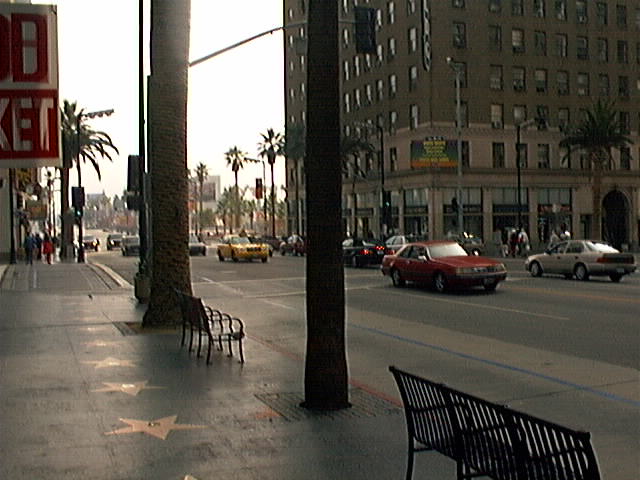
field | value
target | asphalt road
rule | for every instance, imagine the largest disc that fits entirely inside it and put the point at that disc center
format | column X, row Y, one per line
column 564, row 350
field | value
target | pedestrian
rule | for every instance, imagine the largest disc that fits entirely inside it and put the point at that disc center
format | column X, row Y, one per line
column 564, row 232
column 47, row 248
column 513, row 243
column 29, row 245
column 38, row 245
column 497, row 242
column 523, row 242
column 554, row 239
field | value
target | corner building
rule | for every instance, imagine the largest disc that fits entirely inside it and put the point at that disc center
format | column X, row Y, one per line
column 516, row 60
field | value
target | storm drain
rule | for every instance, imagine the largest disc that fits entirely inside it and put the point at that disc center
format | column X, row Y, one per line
column 363, row 405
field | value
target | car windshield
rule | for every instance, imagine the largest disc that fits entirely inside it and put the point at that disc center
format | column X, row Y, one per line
column 600, row 247
column 115, row 236
column 88, row 238
column 193, row 239
column 239, row 240
column 130, row 240
column 447, row 250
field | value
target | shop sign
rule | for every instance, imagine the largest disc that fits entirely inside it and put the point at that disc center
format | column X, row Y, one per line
column 434, row 152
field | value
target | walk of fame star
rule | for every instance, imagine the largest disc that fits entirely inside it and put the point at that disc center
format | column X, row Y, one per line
column 132, row 389
column 101, row 343
column 111, row 362
column 159, row 428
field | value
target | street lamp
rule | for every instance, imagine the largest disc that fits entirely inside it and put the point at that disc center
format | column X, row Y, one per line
column 81, row 114
column 458, row 70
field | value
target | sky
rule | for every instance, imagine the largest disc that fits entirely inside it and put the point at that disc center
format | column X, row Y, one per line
column 233, row 98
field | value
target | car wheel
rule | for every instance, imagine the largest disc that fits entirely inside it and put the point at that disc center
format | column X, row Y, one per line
column 282, row 252
column 536, row 269
column 204, row 252
column 397, row 279
column 220, row 257
column 264, row 259
column 568, row 276
column 440, row 282
column 233, row 257
column 491, row 287
column 354, row 262
column 581, row 273
column 475, row 252
column 615, row 277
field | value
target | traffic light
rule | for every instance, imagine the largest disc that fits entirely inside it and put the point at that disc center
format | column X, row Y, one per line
column 259, row 190
column 386, row 207
column 365, row 30
column 77, row 215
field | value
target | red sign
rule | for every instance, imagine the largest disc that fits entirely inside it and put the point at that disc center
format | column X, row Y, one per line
column 29, row 105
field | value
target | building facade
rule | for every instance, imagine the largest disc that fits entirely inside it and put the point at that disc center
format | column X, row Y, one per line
column 499, row 66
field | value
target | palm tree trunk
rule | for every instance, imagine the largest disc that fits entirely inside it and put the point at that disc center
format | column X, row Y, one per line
column 66, row 230
column 273, row 204
column 596, row 224
column 168, row 158
column 326, row 377
column 236, row 208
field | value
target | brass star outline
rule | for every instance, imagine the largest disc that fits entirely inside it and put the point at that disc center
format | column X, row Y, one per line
column 132, row 388
column 159, row 428
column 111, row 362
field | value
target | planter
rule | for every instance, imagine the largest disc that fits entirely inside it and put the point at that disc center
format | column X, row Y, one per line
column 142, row 287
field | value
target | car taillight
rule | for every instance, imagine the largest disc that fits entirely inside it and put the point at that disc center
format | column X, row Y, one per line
column 606, row 260
column 365, row 251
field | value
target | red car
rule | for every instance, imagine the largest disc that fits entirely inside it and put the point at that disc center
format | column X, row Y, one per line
column 443, row 265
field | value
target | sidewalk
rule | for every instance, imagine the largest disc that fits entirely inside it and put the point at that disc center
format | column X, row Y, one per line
column 82, row 396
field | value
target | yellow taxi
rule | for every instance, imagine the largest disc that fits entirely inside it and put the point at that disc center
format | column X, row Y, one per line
column 237, row 247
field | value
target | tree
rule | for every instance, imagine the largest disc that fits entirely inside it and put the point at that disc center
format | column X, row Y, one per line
column 294, row 149
column 271, row 147
column 325, row 375
column 350, row 148
column 93, row 145
column 236, row 159
column 167, row 96
column 597, row 134
column 225, row 207
column 201, row 174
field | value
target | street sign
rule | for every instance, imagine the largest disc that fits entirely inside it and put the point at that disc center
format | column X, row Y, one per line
column 29, row 103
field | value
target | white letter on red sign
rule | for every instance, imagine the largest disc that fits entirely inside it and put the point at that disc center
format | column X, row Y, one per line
column 29, row 46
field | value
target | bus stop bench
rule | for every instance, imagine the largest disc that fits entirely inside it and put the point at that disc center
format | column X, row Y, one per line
column 214, row 326
column 490, row 440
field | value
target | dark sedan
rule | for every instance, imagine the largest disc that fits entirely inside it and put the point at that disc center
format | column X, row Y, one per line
column 196, row 246
column 443, row 265
column 359, row 252
column 114, row 241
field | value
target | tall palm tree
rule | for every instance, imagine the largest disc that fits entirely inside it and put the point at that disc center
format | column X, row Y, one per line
column 272, row 146
column 325, row 376
column 236, row 159
column 294, row 148
column 350, row 148
column 597, row 134
column 168, row 159
column 201, row 174
column 78, row 146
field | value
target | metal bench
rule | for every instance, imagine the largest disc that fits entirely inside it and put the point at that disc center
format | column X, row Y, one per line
column 487, row 439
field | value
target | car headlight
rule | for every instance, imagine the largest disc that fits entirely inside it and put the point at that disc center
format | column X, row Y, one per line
column 464, row 270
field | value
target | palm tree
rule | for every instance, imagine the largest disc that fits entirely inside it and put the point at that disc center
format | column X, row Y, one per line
column 201, row 174
column 350, row 148
column 168, row 159
column 294, row 149
column 326, row 376
column 225, row 208
column 271, row 146
column 597, row 134
column 85, row 144
column 236, row 159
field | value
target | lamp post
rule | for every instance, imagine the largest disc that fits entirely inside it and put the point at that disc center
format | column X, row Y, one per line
column 457, row 68
column 519, row 127
column 271, row 157
column 81, row 114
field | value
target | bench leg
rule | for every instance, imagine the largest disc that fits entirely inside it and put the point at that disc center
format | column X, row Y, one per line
column 184, row 334
column 410, row 461
column 241, row 351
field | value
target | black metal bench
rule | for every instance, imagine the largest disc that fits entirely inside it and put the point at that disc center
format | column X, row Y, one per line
column 486, row 439
column 205, row 322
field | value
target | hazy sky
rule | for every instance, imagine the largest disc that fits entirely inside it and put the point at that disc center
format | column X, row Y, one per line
column 232, row 98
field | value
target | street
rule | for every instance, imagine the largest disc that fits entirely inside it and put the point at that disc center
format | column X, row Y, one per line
column 564, row 350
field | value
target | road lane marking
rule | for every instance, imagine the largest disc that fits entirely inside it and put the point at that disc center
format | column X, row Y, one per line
column 488, row 307
column 576, row 295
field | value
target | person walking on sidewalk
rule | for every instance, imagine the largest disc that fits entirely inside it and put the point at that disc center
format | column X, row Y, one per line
column 47, row 248
column 29, row 247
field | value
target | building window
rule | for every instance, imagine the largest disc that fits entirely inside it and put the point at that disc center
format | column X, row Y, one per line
column 393, row 86
column 459, row 35
column 602, row 17
column 346, row 68
column 624, row 120
column 368, row 94
column 603, row 50
column 391, row 13
column 495, row 38
column 540, row 43
column 565, row 157
column 413, row 39
column 392, row 49
column 621, row 16
column 583, row 84
column 582, row 48
column 413, row 117
column 379, row 90
column 561, row 9
column 581, row 11
column 357, row 101
column 637, row 18
column 563, row 82
column 625, row 158
column 563, row 119
column 542, row 111
column 519, row 114
column 379, row 54
column 367, row 61
column 464, row 114
column 411, row 6
column 522, row 151
column 356, row 66
column 497, row 116
column 495, row 6
column 623, row 86
column 541, row 80
column 345, row 38
column 497, row 152
column 517, row 8
column 495, row 77
column 347, row 103
column 539, row 8
column 623, row 52
column 517, row 40
column 413, row 77
column 457, row 3
column 519, row 76
column 603, row 85
column 562, row 43
column 543, row 155
column 393, row 159
column 393, row 120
